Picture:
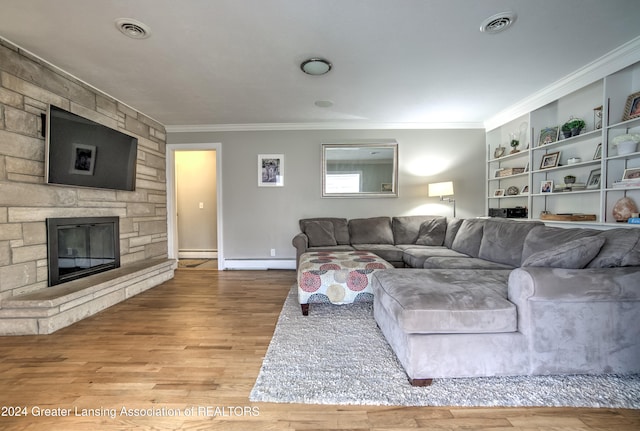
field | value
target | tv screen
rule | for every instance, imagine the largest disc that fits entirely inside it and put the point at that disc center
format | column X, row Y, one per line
column 81, row 152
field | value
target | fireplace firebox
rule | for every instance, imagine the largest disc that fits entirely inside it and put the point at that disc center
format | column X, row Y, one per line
column 81, row 246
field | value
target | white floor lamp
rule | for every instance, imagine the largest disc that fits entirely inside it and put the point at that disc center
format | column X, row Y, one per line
column 443, row 189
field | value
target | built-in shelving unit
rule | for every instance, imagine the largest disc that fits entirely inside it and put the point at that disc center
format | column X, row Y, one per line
column 591, row 156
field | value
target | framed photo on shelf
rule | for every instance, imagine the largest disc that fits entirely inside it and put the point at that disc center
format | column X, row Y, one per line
column 524, row 190
column 631, row 174
column 550, row 160
column 594, row 179
column 548, row 135
column 270, row 170
column 546, row 186
column 598, row 154
column 632, row 108
column 498, row 193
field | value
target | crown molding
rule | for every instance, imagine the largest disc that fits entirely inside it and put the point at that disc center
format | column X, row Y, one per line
column 261, row 127
column 621, row 57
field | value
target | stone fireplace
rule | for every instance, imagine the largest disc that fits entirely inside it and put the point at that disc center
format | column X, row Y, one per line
column 81, row 246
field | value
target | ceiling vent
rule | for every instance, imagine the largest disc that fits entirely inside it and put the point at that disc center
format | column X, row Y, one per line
column 498, row 23
column 133, row 28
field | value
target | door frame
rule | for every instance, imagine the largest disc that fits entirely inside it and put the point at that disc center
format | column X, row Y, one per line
column 172, row 221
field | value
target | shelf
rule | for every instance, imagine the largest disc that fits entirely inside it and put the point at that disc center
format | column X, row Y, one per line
column 624, row 156
column 510, row 156
column 572, row 140
column 611, row 92
column 523, row 174
column 577, row 192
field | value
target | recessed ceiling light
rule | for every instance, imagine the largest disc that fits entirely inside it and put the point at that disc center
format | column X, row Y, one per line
column 316, row 66
column 323, row 103
column 499, row 22
column 133, row 28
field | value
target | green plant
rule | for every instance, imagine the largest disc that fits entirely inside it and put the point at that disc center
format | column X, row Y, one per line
column 514, row 143
column 574, row 123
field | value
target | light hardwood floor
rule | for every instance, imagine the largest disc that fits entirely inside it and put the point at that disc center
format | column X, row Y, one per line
column 194, row 345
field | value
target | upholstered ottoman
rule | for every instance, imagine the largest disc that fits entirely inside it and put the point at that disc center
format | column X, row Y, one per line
column 446, row 322
column 337, row 277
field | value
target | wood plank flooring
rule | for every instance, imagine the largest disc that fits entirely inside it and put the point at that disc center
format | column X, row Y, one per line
column 186, row 355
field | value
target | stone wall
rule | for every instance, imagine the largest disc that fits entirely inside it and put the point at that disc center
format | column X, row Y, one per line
column 27, row 86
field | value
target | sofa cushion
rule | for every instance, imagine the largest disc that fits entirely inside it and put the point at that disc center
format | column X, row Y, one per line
column 388, row 252
column 469, row 237
column 432, row 232
column 621, row 248
column 503, row 240
column 453, row 226
column 542, row 238
column 462, row 263
column 575, row 254
column 373, row 230
column 446, row 301
column 415, row 256
column 320, row 233
column 406, row 228
column 340, row 227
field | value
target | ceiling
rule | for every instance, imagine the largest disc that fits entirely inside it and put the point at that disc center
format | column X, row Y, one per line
column 237, row 62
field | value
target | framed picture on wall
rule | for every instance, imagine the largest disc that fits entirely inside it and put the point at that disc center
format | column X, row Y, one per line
column 270, row 170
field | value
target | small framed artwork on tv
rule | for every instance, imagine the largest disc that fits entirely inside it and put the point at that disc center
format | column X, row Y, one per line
column 83, row 159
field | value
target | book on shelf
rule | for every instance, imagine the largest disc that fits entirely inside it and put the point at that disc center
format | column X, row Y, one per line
column 627, row 183
column 634, row 220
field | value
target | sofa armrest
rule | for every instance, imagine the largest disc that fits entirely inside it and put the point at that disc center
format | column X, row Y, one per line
column 579, row 320
column 574, row 285
column 301, row 244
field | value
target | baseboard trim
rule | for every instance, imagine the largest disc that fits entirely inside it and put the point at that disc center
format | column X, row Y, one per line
column 259, row 264
column 197, row 254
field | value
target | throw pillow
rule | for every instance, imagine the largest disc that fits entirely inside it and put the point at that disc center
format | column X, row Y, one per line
column 574, row 254
column 432, row 232
column 320, row 234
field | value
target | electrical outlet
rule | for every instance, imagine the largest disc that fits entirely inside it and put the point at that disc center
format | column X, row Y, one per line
column 273, row 252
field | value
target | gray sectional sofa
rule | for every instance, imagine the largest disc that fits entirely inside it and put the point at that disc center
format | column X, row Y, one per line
column 486, row 297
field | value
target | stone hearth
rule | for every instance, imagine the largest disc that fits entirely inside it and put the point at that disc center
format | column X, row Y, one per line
column 47, row 310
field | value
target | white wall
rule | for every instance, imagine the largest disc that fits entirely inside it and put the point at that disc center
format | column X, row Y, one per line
column 195, row 174
column 258, row 219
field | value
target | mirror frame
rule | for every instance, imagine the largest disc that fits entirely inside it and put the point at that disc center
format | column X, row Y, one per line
column 394, row 181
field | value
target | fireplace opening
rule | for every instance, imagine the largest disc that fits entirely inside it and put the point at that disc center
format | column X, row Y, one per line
column 81, row 246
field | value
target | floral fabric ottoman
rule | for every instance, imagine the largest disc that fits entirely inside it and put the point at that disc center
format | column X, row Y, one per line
column 340, row 277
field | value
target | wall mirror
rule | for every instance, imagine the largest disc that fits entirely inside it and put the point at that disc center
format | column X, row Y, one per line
column 360, row 170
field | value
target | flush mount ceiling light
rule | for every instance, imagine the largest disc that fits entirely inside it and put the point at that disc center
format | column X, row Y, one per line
column 315, row 66
column 133, row 28
column 497, row 23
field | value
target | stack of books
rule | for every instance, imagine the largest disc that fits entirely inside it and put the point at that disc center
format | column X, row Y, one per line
column 635, row 182
column 569, row 187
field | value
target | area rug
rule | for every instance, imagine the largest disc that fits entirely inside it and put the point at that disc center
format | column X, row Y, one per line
column 337, row 355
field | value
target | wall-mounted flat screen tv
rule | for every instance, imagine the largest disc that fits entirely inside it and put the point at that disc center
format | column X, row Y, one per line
column 81, row 152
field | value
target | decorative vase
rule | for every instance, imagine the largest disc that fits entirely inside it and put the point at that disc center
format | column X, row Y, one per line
column 627, row 147
column 623, row 209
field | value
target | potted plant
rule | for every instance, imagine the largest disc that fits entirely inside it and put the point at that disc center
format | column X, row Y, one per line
column 626, row 143
column 514, row 143
column 573, row 127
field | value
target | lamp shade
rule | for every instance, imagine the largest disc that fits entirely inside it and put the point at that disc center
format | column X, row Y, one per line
column 441, row 189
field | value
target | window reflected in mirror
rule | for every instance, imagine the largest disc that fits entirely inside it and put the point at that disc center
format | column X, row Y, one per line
column 360, row 170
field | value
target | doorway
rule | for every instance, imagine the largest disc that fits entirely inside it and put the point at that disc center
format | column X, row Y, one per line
column 194, row 203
